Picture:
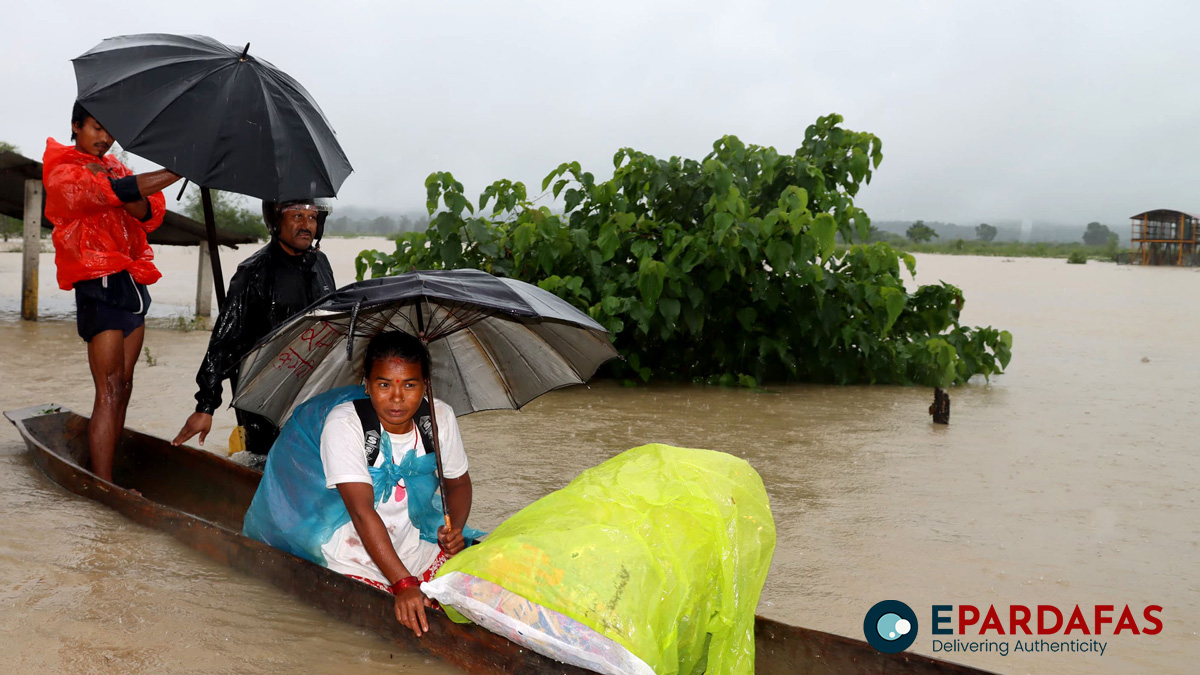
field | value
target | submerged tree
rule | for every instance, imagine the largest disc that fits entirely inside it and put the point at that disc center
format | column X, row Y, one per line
column 1098, row 235
column 985, row 232
column 919, row 232
column 723, row 269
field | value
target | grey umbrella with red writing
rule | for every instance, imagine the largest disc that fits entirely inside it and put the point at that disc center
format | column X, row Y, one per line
column 495, row 343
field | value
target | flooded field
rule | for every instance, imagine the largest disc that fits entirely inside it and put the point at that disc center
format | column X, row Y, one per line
column 1072, row 479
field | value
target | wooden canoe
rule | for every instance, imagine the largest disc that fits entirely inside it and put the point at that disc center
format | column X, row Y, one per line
column 200, row 499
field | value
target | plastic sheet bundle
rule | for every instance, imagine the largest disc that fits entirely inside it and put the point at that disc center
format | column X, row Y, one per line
column 663, row 550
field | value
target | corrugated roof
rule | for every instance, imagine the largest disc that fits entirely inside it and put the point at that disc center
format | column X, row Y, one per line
column 1143, row 214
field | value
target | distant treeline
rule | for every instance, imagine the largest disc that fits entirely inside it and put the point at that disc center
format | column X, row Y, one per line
column 243, row 215
column 356, row 222
column 1006, row 231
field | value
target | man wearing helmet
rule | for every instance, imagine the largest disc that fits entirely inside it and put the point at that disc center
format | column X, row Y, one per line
column 279, row 280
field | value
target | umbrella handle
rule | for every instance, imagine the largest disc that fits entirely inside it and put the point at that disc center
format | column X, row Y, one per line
column 437, row 453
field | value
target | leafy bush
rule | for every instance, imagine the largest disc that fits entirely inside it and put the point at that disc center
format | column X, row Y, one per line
column 1077, row 258
column 723, row 269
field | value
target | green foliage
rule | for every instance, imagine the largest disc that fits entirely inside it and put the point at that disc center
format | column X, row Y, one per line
column 1097, row 234
column 187, row 324
column 985, row 232
column 229, row 210
column 720, row 270
column 10, row 227
column 1077, row 258
column 920, row 232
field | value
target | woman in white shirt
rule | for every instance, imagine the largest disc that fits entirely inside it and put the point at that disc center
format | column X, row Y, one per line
column 380, row 545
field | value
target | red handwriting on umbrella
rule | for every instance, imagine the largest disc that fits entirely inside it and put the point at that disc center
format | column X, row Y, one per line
column 292, row 360
column 320, row 336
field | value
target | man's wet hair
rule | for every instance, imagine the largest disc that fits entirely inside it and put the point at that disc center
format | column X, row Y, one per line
column 79, row 115
column 396, row 345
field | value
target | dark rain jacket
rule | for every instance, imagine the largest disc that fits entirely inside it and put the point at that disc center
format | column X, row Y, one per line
column 253, row 307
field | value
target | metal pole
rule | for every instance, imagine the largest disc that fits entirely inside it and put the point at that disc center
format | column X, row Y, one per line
column 437, row 450
column 210, row 225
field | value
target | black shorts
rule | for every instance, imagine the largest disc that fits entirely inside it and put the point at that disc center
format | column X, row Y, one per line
column 93, row 317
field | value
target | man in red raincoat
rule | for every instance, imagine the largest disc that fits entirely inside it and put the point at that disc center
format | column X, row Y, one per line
column 101, row 213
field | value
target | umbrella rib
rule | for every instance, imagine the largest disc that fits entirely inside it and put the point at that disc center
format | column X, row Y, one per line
column 487, row 353
column 457, row 321
column 319, row 148
column 150, row 122
column 269, row 103
column 454, row 362
column 160, row 63
column 552, row 350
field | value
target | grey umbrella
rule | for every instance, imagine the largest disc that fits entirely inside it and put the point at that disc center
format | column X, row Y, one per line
column 495, row 343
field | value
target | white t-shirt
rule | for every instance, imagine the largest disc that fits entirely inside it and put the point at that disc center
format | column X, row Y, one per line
column 344, row 461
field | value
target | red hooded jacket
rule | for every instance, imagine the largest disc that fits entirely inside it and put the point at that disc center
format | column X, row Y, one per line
column 94, row 235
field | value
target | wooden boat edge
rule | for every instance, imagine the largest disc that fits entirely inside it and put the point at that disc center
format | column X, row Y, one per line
column 780, row 647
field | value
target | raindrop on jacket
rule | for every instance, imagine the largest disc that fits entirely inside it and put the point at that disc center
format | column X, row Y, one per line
column 94, row 235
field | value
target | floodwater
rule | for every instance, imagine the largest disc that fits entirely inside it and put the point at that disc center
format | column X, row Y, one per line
column 1071, row 479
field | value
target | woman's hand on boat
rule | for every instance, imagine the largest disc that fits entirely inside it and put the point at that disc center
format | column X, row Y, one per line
column 410, row 609
column 451, row 541
column 197, row 423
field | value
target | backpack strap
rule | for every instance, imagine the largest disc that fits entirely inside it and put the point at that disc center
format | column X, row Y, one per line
column 425, row 426
column 372, row 431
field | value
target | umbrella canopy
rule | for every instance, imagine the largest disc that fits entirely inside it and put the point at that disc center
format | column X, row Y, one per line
column 217, row 115
column 495, row 343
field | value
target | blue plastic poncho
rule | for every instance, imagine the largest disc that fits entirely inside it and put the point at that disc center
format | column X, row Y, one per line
column 294, row 511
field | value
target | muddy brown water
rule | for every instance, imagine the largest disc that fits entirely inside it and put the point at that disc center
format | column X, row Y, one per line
column 1071, row 479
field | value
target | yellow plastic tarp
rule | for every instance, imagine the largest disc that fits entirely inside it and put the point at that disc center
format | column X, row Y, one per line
column 662, row 549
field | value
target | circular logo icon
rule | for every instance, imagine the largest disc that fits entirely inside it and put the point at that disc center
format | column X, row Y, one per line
column 890, row 626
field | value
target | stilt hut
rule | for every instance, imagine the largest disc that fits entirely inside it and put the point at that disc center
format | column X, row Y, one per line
column 1165, row 237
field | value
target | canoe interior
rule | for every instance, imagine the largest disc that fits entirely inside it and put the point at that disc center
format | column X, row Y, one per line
column 188, row 480
column 201, row 498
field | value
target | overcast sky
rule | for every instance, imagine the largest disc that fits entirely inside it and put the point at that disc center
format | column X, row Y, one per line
column 1060, row 112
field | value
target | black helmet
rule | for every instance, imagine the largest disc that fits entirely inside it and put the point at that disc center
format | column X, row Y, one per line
column 271, row 211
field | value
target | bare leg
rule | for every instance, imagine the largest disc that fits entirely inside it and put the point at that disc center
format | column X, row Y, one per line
column 106, row 358
column 133, row 350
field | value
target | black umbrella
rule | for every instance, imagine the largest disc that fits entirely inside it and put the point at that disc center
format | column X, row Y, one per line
column 214, row 114
column 495, row 343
